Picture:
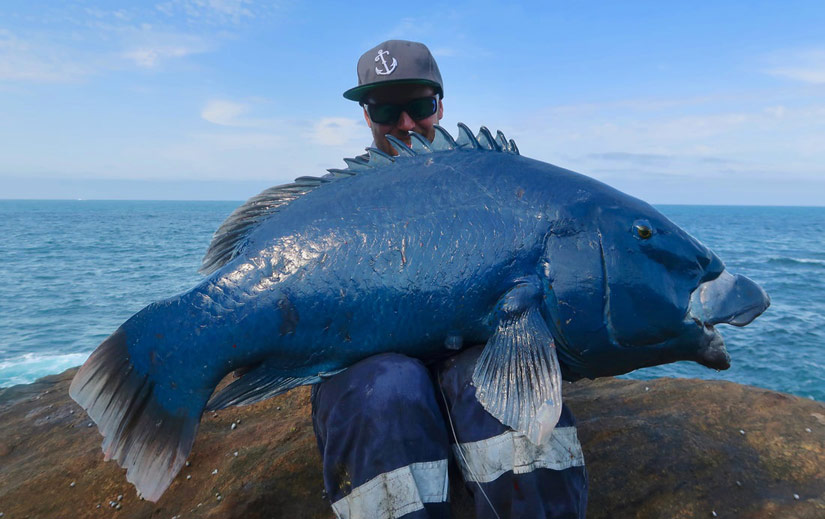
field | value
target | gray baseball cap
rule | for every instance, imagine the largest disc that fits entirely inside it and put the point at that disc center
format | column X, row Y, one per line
column 396, row 62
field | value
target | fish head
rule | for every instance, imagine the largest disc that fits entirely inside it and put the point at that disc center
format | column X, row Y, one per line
column 627, row 288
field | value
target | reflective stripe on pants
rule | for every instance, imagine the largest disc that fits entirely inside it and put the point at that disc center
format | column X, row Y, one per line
column 396, row 493
column 485, row 460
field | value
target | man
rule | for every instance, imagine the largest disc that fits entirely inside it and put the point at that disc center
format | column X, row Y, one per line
column 384, row 426
column 399, row 87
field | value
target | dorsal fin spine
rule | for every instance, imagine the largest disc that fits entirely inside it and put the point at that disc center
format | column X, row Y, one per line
column 419, row 143
column 486, row 140
column 443, row 141
column 379, row 158
column 466, row 139
column 501, row 140
column 309, row 181
column 513, row 147
column 399, row 146
column 335, row 175
column 357, row 164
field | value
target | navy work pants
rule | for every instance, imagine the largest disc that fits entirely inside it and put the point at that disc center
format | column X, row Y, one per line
column 385, row 440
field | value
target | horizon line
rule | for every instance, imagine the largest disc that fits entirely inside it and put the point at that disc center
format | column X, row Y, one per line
column 242, row 201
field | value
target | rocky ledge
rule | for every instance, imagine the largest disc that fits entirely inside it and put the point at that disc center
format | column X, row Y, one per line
column 667, row 448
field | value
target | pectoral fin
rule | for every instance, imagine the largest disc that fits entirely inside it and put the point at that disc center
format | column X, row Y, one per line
column 517, row 376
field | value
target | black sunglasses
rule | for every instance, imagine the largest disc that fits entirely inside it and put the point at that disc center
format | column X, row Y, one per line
column 386, row 113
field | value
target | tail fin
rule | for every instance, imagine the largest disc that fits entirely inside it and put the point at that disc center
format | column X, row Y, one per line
column 145, row 437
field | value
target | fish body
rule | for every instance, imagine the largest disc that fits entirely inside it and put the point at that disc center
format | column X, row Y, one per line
column 449, row 245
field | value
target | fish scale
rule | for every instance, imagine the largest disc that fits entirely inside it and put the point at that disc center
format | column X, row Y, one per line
column 450, row 244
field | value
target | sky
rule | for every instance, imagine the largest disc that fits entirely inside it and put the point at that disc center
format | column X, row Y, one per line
column 673, row 102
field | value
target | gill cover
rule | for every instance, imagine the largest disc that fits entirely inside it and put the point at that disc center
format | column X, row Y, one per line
column 576, row 296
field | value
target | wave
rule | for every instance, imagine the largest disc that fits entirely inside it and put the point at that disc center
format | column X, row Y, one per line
column 782, row 260
column 30, row 366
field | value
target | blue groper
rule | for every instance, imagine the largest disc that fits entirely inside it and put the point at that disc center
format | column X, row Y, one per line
column 450, row 244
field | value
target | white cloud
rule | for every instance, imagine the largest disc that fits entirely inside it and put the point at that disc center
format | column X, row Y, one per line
column 405, row 27
column 150, row 57
column 277, row 150
column 94, row 39
column 445, row 52
column 339, row 132
column 693, row 127
column 243, row 114
column 167, row 8
column 761, row 136
column 100, row 14
column 806, row 65
column 209, row 10
column 149, row 46
column 454, row 43
column 232, row 8
column 639, row 158
column 808, row 75
column 243, row 141
column 32, row 61
column 776, row 111
column 224, row 113
column 97, row 41
column 274, row 156
column 239, row 155
column 633, row 134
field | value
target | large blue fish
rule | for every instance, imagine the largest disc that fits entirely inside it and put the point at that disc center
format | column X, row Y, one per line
column 449, row 244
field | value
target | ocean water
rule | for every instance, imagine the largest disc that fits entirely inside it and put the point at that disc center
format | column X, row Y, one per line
column 72, row 271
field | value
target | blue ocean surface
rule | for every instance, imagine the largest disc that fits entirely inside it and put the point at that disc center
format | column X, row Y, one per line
column 72, row 271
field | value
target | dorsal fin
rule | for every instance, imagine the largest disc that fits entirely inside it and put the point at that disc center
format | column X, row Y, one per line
column 230, row 237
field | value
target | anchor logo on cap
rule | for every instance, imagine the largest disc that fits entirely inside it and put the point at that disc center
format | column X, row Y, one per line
column 388, row 69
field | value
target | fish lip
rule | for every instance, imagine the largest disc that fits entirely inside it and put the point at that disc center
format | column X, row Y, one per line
column 713, row 354
column 705, row 345
column 728, row 299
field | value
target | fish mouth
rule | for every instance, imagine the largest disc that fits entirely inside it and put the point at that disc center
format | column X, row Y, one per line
column 726, row 299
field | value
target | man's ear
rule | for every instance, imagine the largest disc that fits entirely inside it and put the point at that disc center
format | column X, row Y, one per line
column 440, row 109
column 367, row 117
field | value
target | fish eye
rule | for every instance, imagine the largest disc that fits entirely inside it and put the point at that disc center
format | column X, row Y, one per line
column 642, row 229
column 643, row 232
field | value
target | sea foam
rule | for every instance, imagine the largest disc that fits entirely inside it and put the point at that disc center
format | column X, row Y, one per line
column 30, row 366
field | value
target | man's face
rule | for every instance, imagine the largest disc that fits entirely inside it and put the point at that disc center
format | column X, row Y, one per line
column 401, row 94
